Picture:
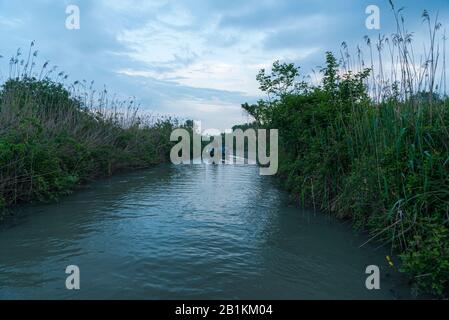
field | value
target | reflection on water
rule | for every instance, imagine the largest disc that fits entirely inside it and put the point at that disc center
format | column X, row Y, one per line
column 187, row 232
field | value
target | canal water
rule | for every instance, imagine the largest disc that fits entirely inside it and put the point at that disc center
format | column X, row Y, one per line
column 187, row 232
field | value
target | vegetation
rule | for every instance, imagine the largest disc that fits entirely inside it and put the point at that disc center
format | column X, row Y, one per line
column 371, row 144
column 368, row 142
column 54, row 137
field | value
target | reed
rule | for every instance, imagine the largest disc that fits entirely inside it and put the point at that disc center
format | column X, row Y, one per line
column 371, row 144
column 56, row 135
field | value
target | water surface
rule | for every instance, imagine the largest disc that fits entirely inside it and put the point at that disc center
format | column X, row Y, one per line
column 187, row 232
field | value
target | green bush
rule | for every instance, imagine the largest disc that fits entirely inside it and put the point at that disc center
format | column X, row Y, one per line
column 51, row 140
column 384, row 165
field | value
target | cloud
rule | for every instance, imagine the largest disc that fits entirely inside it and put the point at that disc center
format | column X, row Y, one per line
column 158, row 45
column 192, row 58
column 9, row 23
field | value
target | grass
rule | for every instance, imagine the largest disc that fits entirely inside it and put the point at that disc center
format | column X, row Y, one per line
column 370, row 143
column 54, row 137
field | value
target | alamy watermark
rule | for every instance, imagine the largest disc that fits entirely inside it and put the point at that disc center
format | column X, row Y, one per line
column 72, row 282
column 73, row 19
column 232, row 147
column 373, row 280
column 372, row 22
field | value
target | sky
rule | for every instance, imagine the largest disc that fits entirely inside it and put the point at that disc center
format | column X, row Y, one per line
column 193, row 59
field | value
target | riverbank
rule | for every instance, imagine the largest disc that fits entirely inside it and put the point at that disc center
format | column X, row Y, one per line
column 55, row 137
column 383, row 164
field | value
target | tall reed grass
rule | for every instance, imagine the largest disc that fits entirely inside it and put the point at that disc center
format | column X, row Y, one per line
column 55, row 135
column 371, row 144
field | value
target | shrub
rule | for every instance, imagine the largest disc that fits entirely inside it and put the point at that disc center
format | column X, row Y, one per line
column 53, row 137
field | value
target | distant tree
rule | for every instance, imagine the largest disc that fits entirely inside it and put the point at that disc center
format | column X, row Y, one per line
column 281, row 81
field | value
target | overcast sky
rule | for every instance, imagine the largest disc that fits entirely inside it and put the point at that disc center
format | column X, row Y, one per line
column 194, row 59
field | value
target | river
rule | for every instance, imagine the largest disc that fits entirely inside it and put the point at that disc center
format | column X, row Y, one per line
column 187, row 232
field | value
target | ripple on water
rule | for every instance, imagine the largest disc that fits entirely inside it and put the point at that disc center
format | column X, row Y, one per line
column 185, row 232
